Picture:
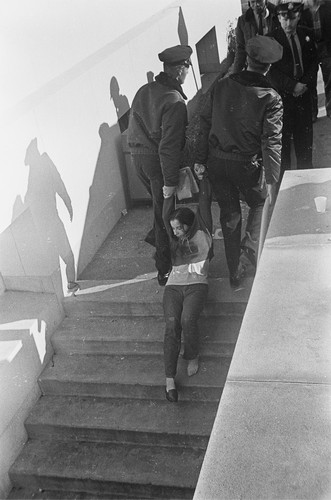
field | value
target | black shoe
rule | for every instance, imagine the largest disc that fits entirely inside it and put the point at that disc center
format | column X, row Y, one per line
column 162, row 278
column 172, row 395
column 249, row 254
column 237, row 277
column 72, row 287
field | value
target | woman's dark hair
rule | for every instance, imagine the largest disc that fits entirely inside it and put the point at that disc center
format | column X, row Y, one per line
column 184, row 215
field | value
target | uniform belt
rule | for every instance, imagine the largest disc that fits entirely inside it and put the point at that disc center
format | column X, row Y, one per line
column 229, row 155
column 142, row 150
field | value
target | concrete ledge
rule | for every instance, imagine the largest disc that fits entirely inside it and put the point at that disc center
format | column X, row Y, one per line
column 272, row 434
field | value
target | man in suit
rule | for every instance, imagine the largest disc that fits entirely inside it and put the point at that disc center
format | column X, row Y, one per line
column 293, row 76
column 317, row 15
column 258, row 19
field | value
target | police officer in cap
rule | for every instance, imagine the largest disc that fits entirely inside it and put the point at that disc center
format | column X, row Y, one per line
column 240, row 128
column 294, row 77
column 156, row 137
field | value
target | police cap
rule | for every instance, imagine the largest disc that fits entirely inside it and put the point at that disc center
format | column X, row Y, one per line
column 289, row 6
column 179, row 54
column 264, row 49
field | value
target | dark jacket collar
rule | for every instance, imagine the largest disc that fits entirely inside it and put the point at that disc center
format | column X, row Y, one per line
column 168, row 81
column 251, row 79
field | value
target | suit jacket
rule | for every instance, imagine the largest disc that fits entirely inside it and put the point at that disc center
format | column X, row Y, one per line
column 246, row 29
column 281, row 73
column 323, row 43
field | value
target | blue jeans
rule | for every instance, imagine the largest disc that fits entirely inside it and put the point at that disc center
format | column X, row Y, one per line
column 228, row 179
column 149, row 172
column 182, row 307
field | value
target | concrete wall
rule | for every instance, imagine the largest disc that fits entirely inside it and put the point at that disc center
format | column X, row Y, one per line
column 272, row 433
column 70, row 71
column 27, row 321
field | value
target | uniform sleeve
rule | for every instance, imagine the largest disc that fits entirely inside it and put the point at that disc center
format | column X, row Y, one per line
column 168, row 208
column 202, row 147
column 271, row 140
column 240, row 56
column 280, row 80
column 174, row 122
column 311, row 69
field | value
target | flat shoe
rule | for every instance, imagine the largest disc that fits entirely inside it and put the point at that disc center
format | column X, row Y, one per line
column 172, row 395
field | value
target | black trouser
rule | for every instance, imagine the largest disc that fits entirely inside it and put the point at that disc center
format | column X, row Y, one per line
column 297, row 123
column 149, row 172
column 182, row 305
column 228, row 179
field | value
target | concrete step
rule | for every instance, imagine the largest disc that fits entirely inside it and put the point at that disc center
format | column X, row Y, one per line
column 135, row 376
column 135, row 421
column 20, row 493
column 108, row 468
column 121, row 335
column 144, row 298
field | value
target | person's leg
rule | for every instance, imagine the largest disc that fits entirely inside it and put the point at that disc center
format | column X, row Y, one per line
column 326, row 72
column 149, row 172
column 162, row 245
column 314, row 99
column 139, row 161
column 227, row 196
column 303, row 132
column 172, row 307
column 194, row 300
column 248, row 182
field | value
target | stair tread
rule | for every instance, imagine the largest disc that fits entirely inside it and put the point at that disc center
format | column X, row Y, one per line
column 110, row 462
column 140, row 328
column 135, row 369
column 125, row 414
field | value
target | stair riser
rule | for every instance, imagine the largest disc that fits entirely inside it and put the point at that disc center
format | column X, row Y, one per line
column 141, row 329
column 68, row 346
column 71, row 388
column 89, row 309
column 95, row 487
column 46, row 432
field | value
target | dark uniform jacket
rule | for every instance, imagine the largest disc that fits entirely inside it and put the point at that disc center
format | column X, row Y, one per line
column 324, row 40
column 243, row 118
column 157, row 124
column 281, row 73
column 246, row 29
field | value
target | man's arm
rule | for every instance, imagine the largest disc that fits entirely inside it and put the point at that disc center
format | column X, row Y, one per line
column 202, row 147
column 240, row 55
column 174, row 122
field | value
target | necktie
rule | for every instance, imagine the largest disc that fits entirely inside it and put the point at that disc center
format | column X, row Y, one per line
column 260, row 27
column 298, row 69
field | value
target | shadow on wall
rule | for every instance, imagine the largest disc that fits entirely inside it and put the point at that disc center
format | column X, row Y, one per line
column 121, row 104
column 44, row 183
column 103, row 188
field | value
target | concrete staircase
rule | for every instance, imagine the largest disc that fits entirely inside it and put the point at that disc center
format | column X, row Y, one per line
column 103, row 428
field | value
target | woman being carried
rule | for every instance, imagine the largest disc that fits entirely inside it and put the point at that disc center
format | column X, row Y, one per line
column 187, row 287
